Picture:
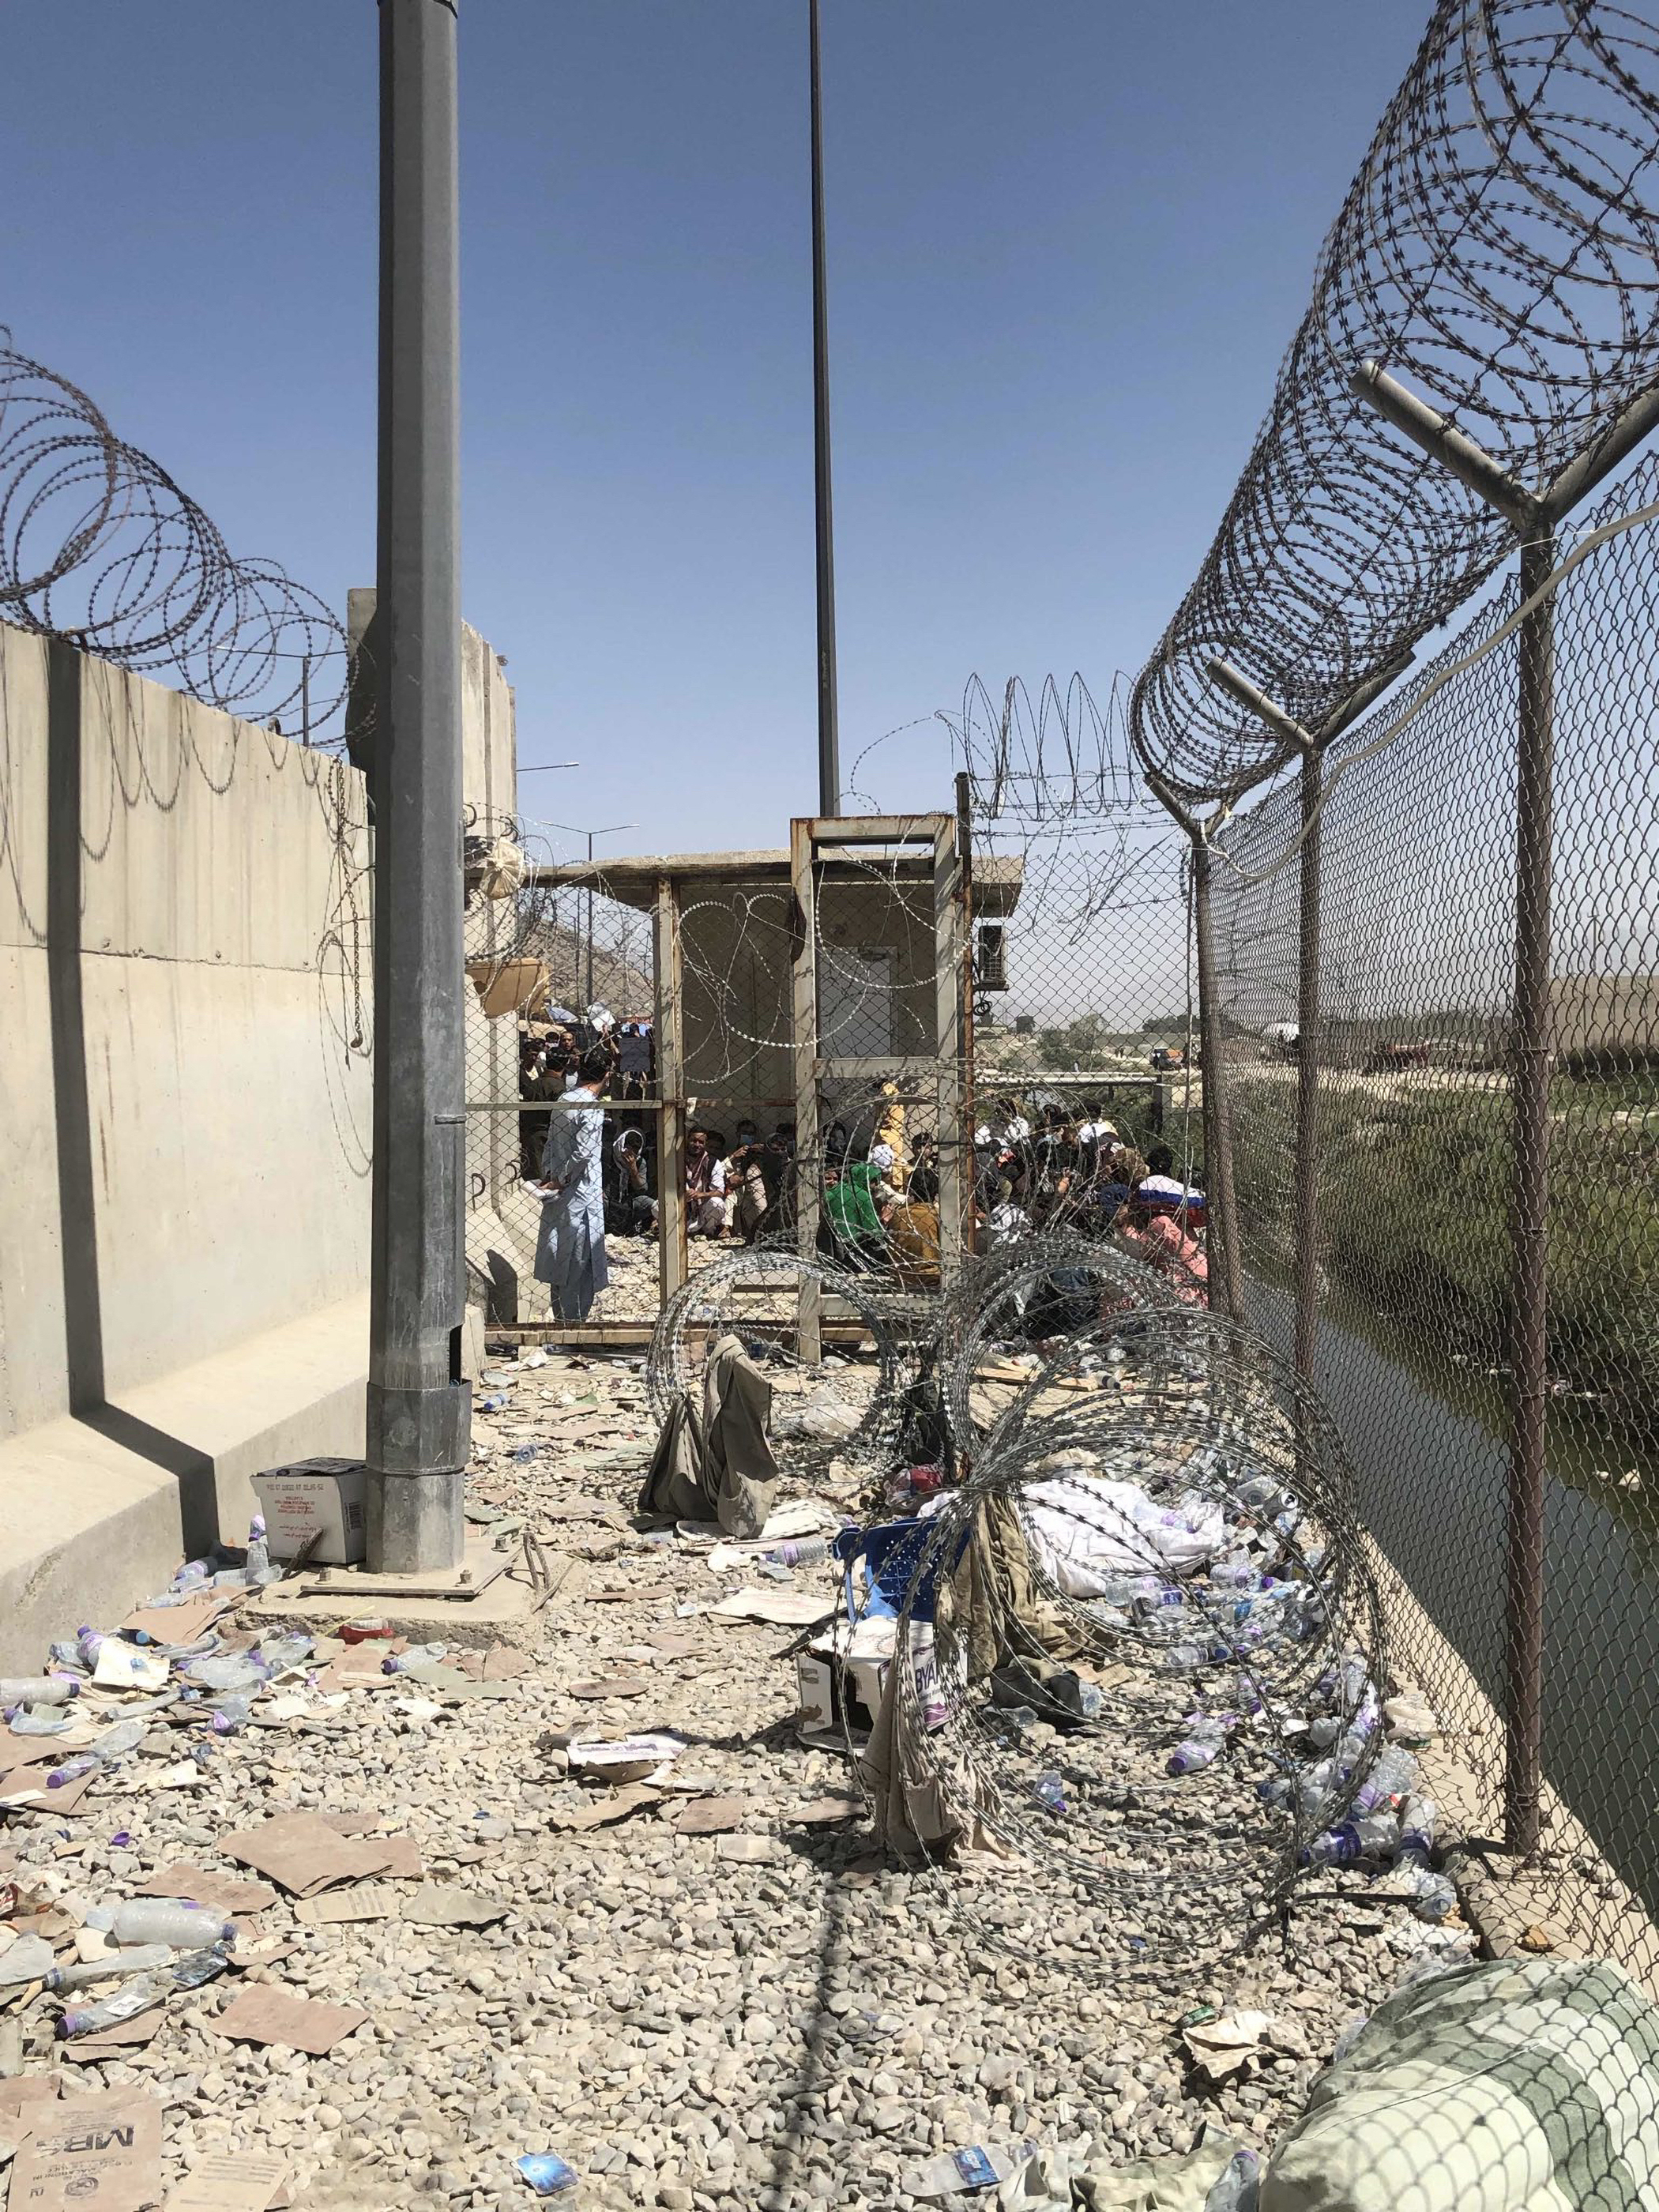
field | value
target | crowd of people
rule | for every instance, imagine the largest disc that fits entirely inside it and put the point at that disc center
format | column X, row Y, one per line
column 878, row 1212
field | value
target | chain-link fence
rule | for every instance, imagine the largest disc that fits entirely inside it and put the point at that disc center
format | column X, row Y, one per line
column 555, row 975
column 1424, row 1216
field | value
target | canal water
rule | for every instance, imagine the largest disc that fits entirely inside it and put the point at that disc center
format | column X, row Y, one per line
column 1430, row 1446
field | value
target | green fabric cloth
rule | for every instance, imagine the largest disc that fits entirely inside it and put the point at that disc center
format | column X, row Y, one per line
column 848, row 1204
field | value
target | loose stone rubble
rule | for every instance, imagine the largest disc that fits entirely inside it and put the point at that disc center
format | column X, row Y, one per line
column 699, row 2004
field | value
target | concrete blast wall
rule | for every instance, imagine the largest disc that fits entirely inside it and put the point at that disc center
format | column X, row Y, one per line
column 185, row 1092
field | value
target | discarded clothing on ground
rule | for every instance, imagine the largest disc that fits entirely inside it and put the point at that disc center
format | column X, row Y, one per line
column 1515, row 2086
column 1060, row 2181
column 1088, row 1530
column 713, row 1462
column 993, row 1605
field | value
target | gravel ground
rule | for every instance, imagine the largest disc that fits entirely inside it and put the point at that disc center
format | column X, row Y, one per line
column 764, row 2016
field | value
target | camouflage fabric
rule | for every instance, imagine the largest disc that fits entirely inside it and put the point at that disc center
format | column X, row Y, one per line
column 1512, row 2086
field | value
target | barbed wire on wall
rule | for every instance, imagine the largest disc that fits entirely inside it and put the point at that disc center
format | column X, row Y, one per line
column 1499, row 253
column 100, row 546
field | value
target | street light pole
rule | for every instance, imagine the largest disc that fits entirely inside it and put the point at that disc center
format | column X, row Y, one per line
column 614, row 829
column 419, row 1409
column 828, row 720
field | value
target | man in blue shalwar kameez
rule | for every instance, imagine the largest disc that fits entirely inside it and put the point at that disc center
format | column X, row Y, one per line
column 570, row 1257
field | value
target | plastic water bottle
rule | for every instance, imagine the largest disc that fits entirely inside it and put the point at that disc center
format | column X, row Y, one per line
column 1392, row 1778
column 38, row 1720
column 418, row 1656
column 1239, row 2188
column 260, row 1571
column 142, row 1991
column 1050, row 1792
column 37, row 1690
column 493, row 1402
column 173, row 1921
column 231, row 1712
column 241, row 1670
column 107, row 1748
column 275, row 1655
column 1374, row 1838
column 1203, row 1740
column 800, row 1551
column 113, row 1967
column 1434, row 1898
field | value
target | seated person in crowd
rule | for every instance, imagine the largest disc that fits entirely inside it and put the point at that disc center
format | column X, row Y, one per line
column 912, row 1232
column 705, row 1183
column 630, row 1208
column 852, row 1222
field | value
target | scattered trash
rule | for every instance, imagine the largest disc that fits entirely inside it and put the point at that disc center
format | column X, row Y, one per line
column 239, row 2181
column 103, row 2150
column 547, row 2174
column 1221, row 2047
column 628, row 1758
column 267, row 2015
column 709, row 1816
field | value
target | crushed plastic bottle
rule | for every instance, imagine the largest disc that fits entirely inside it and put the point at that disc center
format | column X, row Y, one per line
column 418, row 1656
column 231, row 1712
column 493, row 1402
column 37, row 1690
column 38, row 1720
column 1434, row 1898
column 1204, row 1739
column 1050, row 1792
column 107, row 1748
column 1374, row 1838
column 137, row 1995
column 1390, row 1780
column 276, row 1654
column 113, row 1967
column 241, row 1670
column 173, row 1921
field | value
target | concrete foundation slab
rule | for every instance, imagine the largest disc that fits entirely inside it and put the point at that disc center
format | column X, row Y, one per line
column 482, row 1601
column 96, row 1511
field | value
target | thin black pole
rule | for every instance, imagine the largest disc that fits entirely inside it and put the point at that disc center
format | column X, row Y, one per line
column 588, row 1000
column 1530, row 1091
column 419, row 1409
column 828, row 724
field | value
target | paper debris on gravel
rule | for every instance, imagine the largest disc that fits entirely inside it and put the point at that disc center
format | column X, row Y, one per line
column 302, row 1854
column 123, row 1666
column 447, row 1905
column 709, row 1816
column 601, row 1812
column 1221, row 2047
column 223, row 1891
column 784, row 1608
column 359, row 1900
column 118, row 2042
column 300, row 2023
column 101, row 2150
column 625, row 1758
column 235, row 2181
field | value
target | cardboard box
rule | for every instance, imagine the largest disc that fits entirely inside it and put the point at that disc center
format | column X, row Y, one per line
column 312, row 1496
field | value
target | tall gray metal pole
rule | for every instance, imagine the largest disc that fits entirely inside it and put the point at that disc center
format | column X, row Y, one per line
column 419, row 1409
column 828, row 722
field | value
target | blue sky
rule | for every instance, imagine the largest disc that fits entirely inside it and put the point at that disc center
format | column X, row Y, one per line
column 1069, row 242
